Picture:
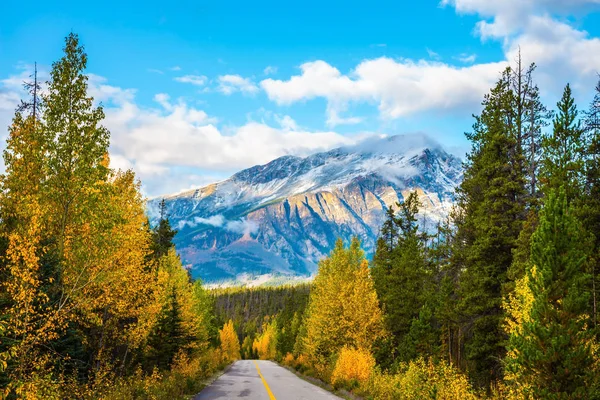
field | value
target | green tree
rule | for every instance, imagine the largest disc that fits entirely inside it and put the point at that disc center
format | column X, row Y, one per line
column 551, row 354
column 401, row 275
column 491, row 218
column 168, row 336
column 162, row 234
column 563, row 151
column 590, row 204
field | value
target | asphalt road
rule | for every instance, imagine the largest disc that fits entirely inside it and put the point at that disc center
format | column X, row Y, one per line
column 262, row 380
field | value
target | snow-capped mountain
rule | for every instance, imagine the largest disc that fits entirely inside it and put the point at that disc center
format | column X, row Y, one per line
column 284, row 216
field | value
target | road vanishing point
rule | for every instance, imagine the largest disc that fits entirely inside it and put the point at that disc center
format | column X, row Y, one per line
column 261, row 380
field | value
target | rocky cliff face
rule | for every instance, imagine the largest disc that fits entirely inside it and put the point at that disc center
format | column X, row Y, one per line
column 284, row 216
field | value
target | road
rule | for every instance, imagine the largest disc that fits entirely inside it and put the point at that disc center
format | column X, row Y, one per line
column 262, row 380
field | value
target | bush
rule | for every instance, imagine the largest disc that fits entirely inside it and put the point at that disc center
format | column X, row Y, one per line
column 352, row 368
column 420, row 379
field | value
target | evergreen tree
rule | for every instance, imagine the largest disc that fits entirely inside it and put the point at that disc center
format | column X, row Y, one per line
column 162, row 233
column 550, row 351
column 401, row 276
column 169, row 336
column 535, row 119
column 492, row 217
column 563, row 151
column 591, row 198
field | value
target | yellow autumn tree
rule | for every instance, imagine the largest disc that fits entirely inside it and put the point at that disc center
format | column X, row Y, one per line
column 265, row 344
column 343, row 309
column 230, row 343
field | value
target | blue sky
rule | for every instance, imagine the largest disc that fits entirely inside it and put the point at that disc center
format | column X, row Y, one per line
column 194, row 91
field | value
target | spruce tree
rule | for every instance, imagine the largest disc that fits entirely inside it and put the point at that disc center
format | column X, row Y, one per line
column 168, row 336
column 400, row 274
column 550, row 353
column 563, row 150
column 162, row 234
column 492, row 217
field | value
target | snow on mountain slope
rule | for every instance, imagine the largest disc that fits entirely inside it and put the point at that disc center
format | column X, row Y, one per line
column 284, row 216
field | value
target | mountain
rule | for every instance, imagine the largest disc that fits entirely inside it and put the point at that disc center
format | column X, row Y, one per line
column 282, row 217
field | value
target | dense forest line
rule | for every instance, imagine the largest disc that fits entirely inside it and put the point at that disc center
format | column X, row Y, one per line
column 501, row 302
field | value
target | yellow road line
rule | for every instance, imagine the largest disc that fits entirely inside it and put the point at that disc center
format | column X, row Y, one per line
column 271, row 397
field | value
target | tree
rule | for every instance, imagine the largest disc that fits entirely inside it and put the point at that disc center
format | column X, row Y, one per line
column 265, row 344
column 401, row 275
column 162, row 234
column 169, row 336
column 550, row 346
column 563, row 151
column 492, row 217
column 343, row 308
column 590, row 204
column 230, row 343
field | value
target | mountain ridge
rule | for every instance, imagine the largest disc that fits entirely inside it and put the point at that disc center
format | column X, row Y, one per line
column 283, row 216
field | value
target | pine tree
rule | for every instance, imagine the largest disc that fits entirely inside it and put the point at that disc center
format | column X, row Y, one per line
column 550, row 352
column 590, row 204
column 162, row 234
column 563, row 151
column 401, row 276
column 492, row 217
column 169, row 336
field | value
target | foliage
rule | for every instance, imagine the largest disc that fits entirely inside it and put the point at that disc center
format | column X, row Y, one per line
column 353, row 367
column 230, row 343
column 265, row 344
column 420, row 379
column 551, row 342
column 343, row 307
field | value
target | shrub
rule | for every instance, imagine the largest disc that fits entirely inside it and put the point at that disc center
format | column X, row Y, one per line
column 420, row 379
column 353, row 367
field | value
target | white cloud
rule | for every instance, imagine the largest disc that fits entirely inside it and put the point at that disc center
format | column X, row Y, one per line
column 467, row 58
column 175, row 68
column 286, row 122
column 432, row 54
column 155, row 71
column 399, row 87
column 229, row 84
column 403, row 87
column 510, row 16
column 269, row 70
column 198, row 80
column 563, row 53
column 173, row 145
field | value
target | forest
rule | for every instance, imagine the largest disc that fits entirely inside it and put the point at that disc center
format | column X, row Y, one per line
column 499, row 303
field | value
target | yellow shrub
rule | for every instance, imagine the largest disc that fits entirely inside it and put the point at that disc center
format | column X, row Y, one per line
column 353, row 365
column 289, row 360
column 302, row 360
column 421, row 379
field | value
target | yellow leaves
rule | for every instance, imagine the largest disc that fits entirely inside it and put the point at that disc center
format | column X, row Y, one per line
column 353, row 366
column 518, row 305
column 421, row 379
column 343, row 308
column 230, row 343
column 265, row 344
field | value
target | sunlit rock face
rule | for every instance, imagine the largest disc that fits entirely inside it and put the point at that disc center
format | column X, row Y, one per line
column 283, row 217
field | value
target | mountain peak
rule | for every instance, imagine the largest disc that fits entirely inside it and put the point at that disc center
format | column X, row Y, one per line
column 283, row 216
